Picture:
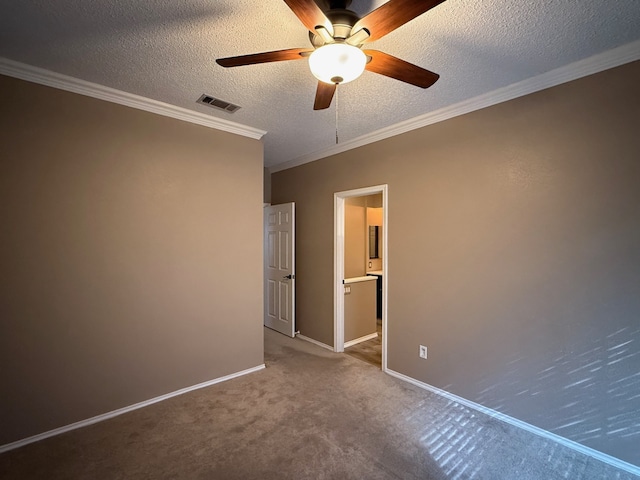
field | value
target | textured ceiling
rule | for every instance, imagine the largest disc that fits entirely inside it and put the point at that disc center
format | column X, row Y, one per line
column 165, row 50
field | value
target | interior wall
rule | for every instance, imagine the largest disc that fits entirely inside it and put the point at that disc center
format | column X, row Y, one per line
column 354, row 237
column 267, row 186
column 357, row 217
column 514, row 255
column 360, row 310
column 130, row 259
column 374, row 218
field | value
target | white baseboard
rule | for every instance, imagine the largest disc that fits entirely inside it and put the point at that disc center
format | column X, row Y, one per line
column 351, row 343
column 120, row 411
column 315, row 342
column 603, row 457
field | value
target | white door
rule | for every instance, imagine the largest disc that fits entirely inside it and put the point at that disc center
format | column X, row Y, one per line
column 279, row 268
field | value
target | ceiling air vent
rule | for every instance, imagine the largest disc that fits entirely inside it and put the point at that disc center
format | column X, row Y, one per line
column 217, row 103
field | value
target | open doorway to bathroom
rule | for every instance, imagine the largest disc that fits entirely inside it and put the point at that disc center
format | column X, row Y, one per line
column 360, row 253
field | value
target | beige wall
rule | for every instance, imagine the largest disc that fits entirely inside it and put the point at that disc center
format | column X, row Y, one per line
column 374, row 218
column 357, row 218
column 130, row 258
column 514, row 252
column 354, row 237
column 360, row 310
column 267, row 186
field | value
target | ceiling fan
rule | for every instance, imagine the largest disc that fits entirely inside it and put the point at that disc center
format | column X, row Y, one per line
column 337, row 35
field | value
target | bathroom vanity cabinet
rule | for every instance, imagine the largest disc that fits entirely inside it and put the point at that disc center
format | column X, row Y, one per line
column 378, row 275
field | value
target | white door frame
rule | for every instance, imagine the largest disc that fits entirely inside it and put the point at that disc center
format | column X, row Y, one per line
column 338, row 263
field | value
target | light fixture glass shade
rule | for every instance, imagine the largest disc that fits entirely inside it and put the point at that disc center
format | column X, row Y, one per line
column 337, row 63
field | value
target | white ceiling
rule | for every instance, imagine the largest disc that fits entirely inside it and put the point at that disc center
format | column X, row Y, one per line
column 165, row 50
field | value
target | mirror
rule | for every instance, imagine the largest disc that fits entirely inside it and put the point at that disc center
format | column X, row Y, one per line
column 374, row 236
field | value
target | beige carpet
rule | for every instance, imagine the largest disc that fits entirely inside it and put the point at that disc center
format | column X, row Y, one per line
column 369, row 351
column 311, row 414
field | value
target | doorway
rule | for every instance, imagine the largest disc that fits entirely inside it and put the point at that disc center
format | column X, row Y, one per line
column 340, row 201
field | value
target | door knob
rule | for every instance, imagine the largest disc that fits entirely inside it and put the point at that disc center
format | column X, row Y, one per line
column 290, row 276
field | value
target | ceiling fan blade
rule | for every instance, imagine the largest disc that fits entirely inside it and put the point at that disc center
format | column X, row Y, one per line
column 310, row 14
column 393, row 67
column 324, row 95
column 392, row 15
column 276, row 56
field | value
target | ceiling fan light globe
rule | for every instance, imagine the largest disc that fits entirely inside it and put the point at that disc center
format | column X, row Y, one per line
column 337, row 63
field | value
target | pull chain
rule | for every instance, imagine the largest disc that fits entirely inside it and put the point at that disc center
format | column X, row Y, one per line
column 337, row 113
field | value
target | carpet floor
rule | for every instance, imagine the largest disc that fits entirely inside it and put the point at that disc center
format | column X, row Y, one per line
column 311, row 414
column 369, row 351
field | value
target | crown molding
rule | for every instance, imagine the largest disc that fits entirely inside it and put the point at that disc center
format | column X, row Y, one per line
column 597, row 63
column 23, row 71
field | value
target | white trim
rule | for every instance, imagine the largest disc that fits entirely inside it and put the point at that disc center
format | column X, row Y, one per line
column 63, row 82
column 366, row 278
column 315, row 342
column 385, row 276
column 351, row 343
column 293, row 269
column 588, row 66
column 338, row 263
column 338, row 272
column 120, row 411
column 603, row 457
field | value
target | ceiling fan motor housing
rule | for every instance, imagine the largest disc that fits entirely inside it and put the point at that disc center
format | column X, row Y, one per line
column 342, row 20
column 330, row 4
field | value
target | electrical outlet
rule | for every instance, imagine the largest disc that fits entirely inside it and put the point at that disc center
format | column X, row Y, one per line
column 423, row 351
